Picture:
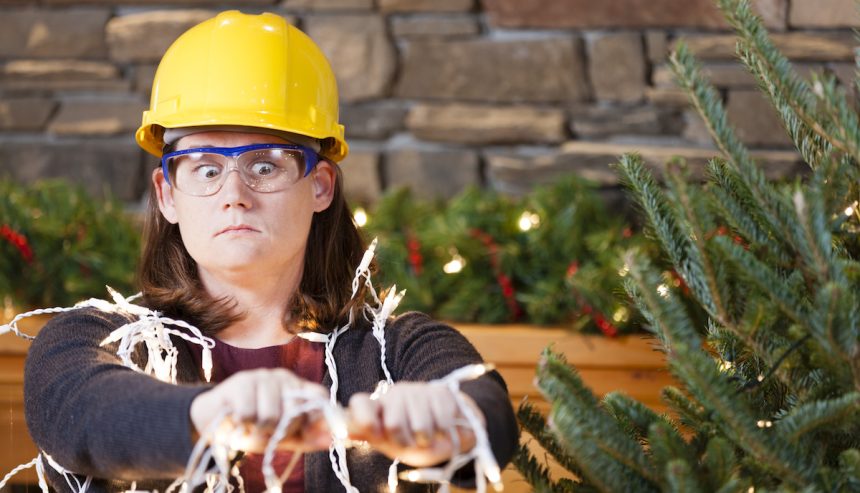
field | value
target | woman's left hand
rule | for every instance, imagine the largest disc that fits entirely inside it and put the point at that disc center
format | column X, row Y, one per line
column 413, row 421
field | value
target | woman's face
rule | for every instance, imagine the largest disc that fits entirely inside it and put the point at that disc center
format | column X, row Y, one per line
column 238, row 231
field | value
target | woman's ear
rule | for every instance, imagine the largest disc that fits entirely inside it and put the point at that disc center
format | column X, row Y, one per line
column 165, row 196
column 324, row 177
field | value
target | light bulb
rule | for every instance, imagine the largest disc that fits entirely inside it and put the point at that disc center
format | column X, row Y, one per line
column 206, row 363
column 528, row 220
column 456, row 263
column 620, row 315
column 360, row 216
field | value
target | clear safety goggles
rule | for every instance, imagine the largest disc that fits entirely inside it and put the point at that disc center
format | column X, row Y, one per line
column 264, row 168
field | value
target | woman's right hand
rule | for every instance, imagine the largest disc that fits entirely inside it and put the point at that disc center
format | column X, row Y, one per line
column 254, row 401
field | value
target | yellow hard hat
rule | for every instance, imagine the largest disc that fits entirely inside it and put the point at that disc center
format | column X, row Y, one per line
column 246, row 70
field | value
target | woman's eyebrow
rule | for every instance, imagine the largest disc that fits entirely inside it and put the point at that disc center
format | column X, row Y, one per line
column 198, row 146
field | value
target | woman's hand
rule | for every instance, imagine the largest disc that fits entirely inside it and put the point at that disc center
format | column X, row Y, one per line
column 412, row 421
column 254, row 401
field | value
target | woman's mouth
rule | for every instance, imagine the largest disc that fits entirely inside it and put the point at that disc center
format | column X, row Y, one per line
column 237, row 229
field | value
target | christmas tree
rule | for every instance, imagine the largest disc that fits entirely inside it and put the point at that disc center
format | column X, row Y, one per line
column 769, row 388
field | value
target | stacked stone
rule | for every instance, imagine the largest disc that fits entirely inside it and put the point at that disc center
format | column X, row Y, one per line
column 435, row 94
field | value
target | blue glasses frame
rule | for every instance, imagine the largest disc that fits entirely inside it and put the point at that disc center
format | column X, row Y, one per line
column 310, row 155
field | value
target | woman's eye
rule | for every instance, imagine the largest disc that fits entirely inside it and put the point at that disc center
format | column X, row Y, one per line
column 263, row 168
column 207, row 171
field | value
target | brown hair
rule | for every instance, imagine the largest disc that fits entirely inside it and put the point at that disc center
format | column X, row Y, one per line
column 169, row 281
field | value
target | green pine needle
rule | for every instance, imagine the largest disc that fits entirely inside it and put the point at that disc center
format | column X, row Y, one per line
column 535, row 424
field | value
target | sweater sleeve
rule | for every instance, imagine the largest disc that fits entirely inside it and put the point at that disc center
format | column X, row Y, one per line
column 95, row 416
column 425, row 349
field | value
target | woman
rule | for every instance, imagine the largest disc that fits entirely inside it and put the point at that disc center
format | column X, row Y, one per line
column 257, row 259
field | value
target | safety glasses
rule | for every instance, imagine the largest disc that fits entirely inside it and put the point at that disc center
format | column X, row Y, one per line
column 262, row 167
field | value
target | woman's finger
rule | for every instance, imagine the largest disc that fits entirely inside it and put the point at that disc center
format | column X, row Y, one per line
column 395, row 419
column 420, row 418
column 445, row 411
column 364, row 417
column 268, row 403
column 241, row 393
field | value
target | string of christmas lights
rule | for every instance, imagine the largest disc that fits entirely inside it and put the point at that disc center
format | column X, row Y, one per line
column 152, row 329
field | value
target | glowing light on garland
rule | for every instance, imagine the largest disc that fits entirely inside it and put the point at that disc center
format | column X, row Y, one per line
column 621, row 314
column 528, row 220
column 360, row 216
column 456, row 264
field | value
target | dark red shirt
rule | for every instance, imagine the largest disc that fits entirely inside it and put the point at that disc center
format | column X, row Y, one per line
column 302, row 357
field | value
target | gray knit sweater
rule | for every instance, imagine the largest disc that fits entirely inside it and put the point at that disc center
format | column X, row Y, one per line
column 97, row 417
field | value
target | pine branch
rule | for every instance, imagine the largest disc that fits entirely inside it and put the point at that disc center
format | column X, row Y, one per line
column 719, row 462
column 702, row 379
column 849, row 467
column 535, row 424
column 834, row 321
column 815, row 415
column 734, row 485
column 813, row 147
column 681, row 477
column 608, row 459
column 653, row 325
column 690, row 413
column 760, row 379
column 816, row 234
column 701, row 264
column 789, row 94
column 652, row 200
column 536, row 474
column 674, row 233
column 635, row 417
column 732, row 198
column 844, row 128
column 667, row 446
column 734, row 202
column 769, row 281
column 709, row 105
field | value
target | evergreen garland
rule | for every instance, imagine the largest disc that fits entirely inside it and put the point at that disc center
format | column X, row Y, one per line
column 551, row 257
column 59, row 246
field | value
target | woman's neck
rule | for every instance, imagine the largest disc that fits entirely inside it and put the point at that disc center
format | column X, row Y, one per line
column 261, row 300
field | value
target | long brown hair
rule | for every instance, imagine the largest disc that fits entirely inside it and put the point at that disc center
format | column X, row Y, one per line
column 170, row 283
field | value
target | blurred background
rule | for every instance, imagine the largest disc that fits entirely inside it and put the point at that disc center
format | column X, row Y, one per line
column 503, row 94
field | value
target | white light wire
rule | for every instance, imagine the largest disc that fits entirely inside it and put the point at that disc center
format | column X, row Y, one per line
column 17, row 469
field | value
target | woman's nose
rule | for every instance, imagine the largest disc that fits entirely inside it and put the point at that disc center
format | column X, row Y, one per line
column 234, row 192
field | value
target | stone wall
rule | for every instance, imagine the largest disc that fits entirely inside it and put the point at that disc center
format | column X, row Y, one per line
column 440, row 94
